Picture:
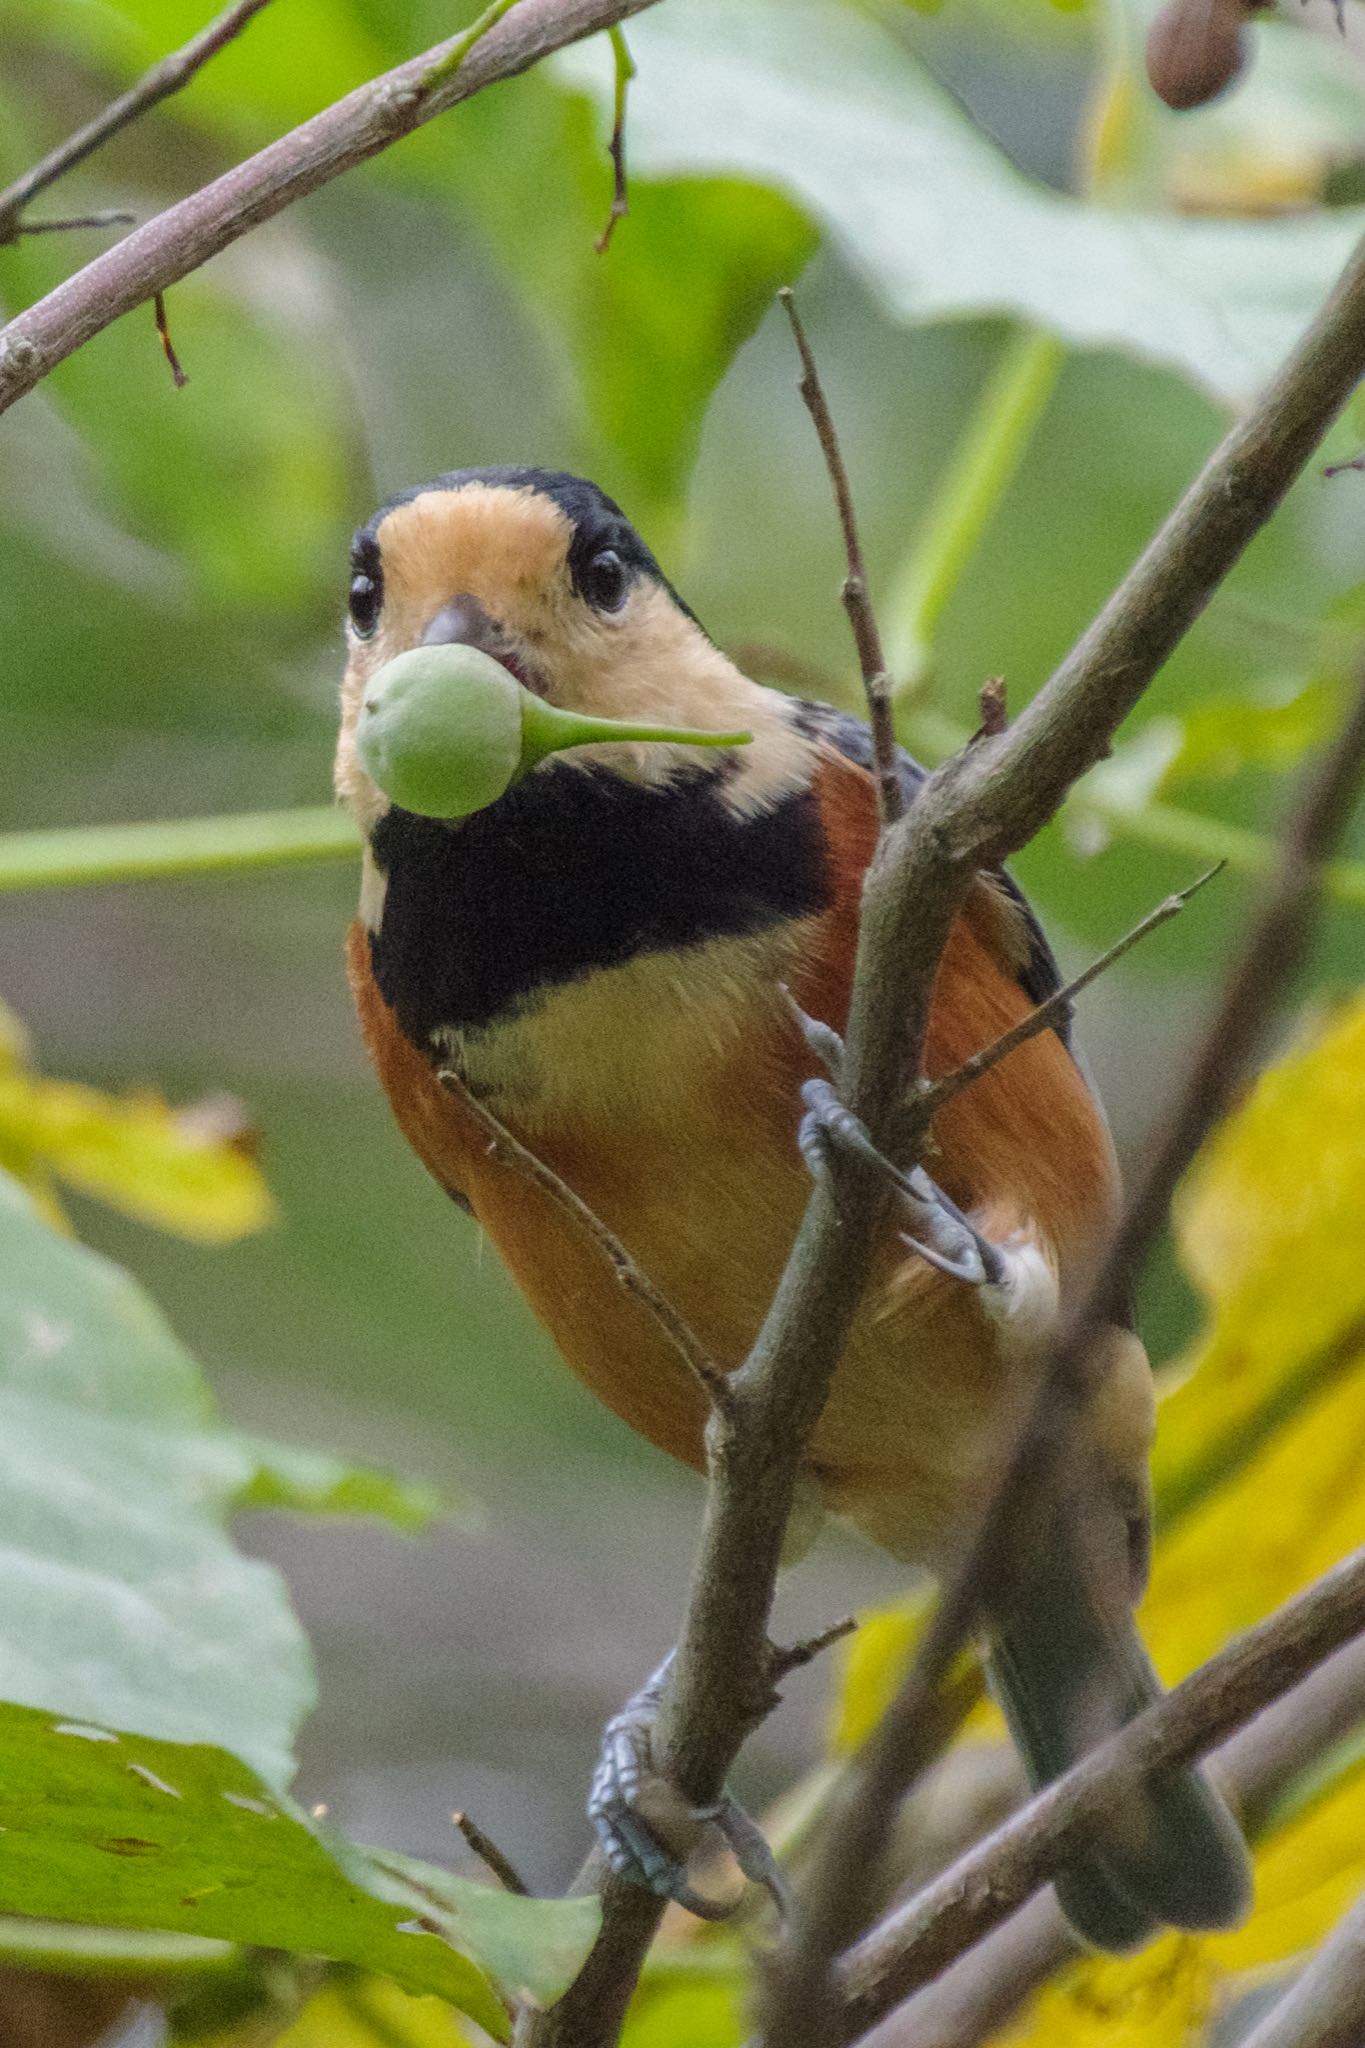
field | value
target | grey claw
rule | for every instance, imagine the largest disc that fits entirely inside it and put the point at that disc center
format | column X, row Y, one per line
column 823, row 1040
column 944, row 1237
column 630, row 1843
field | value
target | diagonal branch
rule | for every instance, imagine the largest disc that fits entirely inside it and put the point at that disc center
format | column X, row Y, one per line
column 972, row 813
column 168, row 76
column 992, row 1881
column 510, row 1152
column 855, row 595
column 1263, row 974
column 346, row 134
column 933, row 1094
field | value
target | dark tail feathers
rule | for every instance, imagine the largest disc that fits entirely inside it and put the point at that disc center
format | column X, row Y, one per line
column 1067, row 1677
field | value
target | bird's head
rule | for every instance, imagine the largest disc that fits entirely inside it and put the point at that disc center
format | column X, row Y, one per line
column 545, row 573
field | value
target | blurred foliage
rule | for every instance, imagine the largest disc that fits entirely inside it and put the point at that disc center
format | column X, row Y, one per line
column 190, row 1171
column 969, row 187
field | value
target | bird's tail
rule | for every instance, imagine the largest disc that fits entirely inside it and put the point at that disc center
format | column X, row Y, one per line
column 1069, row 1673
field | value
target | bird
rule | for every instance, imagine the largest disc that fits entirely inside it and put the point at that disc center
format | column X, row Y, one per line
column 632, row 958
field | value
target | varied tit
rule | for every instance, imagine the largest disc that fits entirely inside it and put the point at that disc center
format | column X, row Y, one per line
column 612, row 955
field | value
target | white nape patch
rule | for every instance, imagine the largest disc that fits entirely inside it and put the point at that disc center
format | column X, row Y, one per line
column 374, row 887
column 1026, row 1301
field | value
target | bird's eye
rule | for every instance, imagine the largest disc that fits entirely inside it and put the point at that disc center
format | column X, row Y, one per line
column 605, row 582
column 367, row 595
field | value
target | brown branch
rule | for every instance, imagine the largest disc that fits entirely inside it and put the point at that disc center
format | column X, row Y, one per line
column 111, row 217
column 855, row 596
column 840, row 1887
column 168, row 76
column 167, row 345
column 490, row 1855
column 972, row 813
column 346, row 134
column 992, row 1881
column 1325, row 2006
column 620, row 193
column 510, row 1152
column 932, row 1095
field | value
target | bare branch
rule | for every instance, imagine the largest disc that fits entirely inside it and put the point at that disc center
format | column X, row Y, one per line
column 490, row 1854
column 510, row 1152
column 111, row 217
column 167, row 77
column 1325, row 2006
column 932, row 1095
column 971, row 813
column 346, row 134
column 856, row 598
column 839, row 1888
column 168, row 346
column 993, row 1880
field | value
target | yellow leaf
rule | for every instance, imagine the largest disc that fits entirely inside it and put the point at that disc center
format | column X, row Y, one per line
column 186, row 1170
column 1161, row 1998
column 873, row 1662
column 358, row 2011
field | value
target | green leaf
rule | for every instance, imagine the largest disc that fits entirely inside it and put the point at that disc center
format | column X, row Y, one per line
column 128, row 1832
column 822, row 105
column 122, row 1599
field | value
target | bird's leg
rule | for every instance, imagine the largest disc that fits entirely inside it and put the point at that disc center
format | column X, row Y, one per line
column 941, row 1234
column 636, row 1809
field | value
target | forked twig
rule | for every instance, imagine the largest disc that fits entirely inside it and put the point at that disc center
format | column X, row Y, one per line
column 857, row 601
column 510, row 1152
column 167, row 76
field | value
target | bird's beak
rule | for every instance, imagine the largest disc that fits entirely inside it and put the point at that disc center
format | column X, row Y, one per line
column 464, row 623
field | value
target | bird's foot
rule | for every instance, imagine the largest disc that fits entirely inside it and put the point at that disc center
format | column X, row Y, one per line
column 648, row 1830
column 940, row 1233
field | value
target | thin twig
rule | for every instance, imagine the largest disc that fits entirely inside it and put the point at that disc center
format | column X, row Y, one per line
column 351, row 131
column 1325, row 2005
column 972, row 813
column 168, row 346
column 112, row 217
column 857, row 601
column 982, row 1889
column 784, row 1658
column 490, row 1854
column 510, row 1152
column 932, row 1095
column 168, row 76
column 620, row 194
column 840, row 1888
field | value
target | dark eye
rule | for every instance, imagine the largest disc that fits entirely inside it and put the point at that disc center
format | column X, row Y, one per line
column 367, row 590
column 604, row 584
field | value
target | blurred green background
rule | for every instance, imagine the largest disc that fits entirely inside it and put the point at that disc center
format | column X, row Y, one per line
column 943, row 183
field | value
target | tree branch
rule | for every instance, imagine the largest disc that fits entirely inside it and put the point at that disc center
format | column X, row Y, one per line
column 855, row 595
column 967, row 2005
column 933, row 1094
column 166, row 77
column 992, row 1881
column 840, row 1885
column 510, row 1152
column 975, row 811
column 346, row 134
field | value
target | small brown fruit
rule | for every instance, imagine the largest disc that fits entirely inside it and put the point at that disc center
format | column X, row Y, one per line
column 1195, row 49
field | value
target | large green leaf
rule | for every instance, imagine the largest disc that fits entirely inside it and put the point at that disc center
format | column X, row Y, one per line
column 122, row 1599
column 127, row 1832
column 819, row 103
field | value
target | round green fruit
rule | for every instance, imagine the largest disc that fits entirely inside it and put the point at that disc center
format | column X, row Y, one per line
column 440, row 730
column 444, row 731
